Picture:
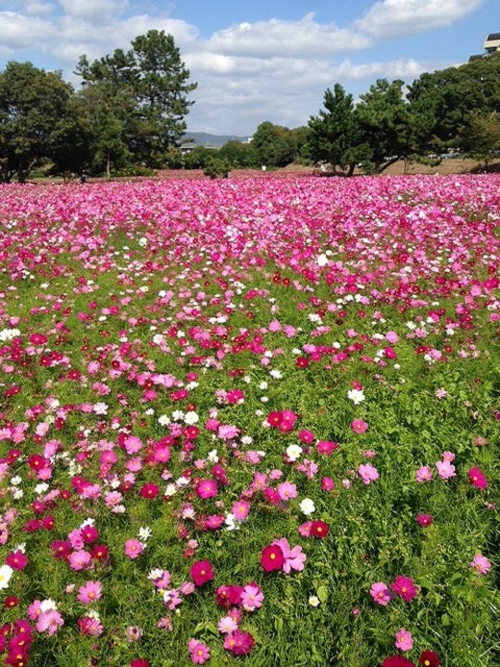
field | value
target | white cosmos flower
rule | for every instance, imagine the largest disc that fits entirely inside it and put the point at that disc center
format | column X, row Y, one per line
column 5, row 575
column 356, row 396
column 293, row 452
column 307, row 506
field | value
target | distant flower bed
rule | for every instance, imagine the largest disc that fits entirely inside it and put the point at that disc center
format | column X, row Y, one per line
column 250, row 422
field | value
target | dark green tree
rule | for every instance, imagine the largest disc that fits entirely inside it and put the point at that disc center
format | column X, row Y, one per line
column 334, row 136
column 145, row 91
column 385, row 124
column 480, row 136
column 441, row 101
column 34, row 108
column 273, row 145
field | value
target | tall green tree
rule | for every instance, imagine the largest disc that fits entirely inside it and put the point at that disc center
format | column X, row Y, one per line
column 385, row 124
column 273, row 145
column 480, row 136
column 145, row 90
column 34, row 107
column 440, row 101
column 334, row 136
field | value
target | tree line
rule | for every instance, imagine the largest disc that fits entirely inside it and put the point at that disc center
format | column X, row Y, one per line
column 128, row 117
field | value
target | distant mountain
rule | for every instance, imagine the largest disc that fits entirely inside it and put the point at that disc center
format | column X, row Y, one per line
column 206, row 139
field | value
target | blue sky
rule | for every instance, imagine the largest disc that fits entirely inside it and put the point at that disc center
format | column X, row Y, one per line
column 257, row 60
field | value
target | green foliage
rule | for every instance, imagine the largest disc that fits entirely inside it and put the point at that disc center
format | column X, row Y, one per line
column 216, row 167
column 139, row 98
column 480, row 135
column 274, row 146
column 385, row 123
column 36, row 117
column 334, row 135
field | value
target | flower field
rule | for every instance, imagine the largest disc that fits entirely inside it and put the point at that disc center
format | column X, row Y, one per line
column 250, row 422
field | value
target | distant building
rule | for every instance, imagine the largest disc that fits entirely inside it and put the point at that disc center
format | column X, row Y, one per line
column 491, row 45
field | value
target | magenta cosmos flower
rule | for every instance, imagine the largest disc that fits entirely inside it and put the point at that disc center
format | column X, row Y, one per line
column 201, row 572
column 405, row 588
column 239, row 642
column 397, row 661
column 207, row 488
column 478, row 478
column 272, row 558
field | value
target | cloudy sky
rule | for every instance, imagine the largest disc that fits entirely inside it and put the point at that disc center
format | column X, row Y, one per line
column 257, row 60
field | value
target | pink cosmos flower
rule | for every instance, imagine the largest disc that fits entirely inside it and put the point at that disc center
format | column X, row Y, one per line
column 90, row 626
column 80, row 560
column 294, row 558
column 240, row 510
column 359, row 426
column 445, row 469
column 287, row 491
column 226, row 625
column 252, row 597
column 201, row 572
column 89, row 592
column 49, row 621
column 133, row 548
column 424, row 474
column 404, row 641
column 200, row 652
column 381, row 593
column 368, row 473
column 481, row 564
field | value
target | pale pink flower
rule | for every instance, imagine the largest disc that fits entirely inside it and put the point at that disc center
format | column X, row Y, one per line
column 404, row 640
column 89, row 592
column 481, row 564
column 133, row 548
column 252, row 597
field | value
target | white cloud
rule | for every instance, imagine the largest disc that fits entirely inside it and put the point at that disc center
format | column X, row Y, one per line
column 395, row 18
column 287, row 38
column 22, row 32
column 33, row 7
column 95, row 11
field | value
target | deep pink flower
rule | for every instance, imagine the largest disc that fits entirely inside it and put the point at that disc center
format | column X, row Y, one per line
column 424, row 519
column 139, row 662
column 239, row 642
column 405, row 588
column 397, row 661
column 16, row 560
column 272, row 558
column 478, row 478
column 201, row 572
column 149, row 490
column 319, row 529
column 207, row 488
